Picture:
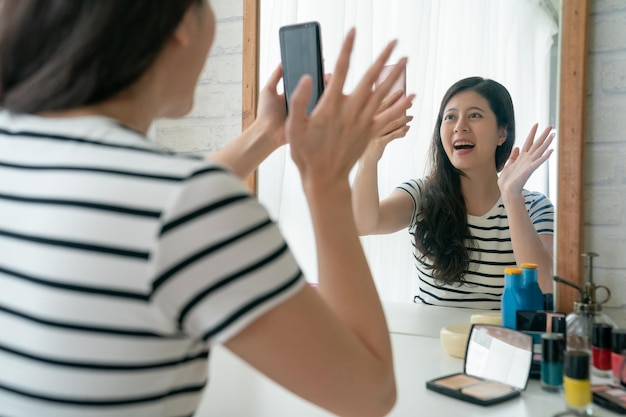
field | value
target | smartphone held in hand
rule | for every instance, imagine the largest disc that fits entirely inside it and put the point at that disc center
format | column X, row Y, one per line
column 301, row 53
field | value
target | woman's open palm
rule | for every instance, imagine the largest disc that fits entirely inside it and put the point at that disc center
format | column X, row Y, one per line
column 522, row 163
column 327, row 144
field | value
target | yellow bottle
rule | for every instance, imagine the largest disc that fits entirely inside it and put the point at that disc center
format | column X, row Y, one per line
column 576, row 382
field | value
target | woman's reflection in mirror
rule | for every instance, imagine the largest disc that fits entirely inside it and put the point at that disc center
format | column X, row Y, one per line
column 470, row 217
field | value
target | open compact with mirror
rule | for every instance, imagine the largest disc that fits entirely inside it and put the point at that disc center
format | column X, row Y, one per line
column 496, row 367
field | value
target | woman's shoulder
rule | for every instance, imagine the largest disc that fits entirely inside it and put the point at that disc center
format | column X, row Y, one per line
column 535, row 197
column 413, row 186
column 538, row 205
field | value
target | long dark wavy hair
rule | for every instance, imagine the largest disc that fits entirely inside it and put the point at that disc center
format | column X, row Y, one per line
column 442, row 233
column 63, row 54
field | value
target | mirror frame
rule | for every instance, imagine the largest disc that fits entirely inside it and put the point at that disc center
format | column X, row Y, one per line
column 571, row 129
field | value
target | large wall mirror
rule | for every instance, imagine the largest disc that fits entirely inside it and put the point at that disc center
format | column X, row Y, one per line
column 570, row 124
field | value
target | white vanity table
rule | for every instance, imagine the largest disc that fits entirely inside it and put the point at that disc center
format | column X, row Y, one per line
column 237, row 390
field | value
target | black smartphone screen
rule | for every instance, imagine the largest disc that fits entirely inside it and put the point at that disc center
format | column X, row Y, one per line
column 301, row 53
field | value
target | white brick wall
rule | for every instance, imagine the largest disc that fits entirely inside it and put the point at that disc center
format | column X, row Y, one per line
column 216, row 116
column 605, row 152
column 216, row 119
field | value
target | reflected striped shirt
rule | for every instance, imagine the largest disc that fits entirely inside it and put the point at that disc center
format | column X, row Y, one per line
column 120, row 266
column 490, row 253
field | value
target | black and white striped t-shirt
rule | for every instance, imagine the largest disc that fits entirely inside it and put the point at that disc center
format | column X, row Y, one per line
column 120, row 266
column 490, row 253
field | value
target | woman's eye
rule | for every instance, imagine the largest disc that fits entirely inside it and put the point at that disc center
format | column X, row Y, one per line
column 475, row 115
column 448, row 117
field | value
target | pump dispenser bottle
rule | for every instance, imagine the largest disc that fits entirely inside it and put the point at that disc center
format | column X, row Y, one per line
column 587, row 310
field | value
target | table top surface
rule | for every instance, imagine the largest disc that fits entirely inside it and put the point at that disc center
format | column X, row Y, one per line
column 418, row 357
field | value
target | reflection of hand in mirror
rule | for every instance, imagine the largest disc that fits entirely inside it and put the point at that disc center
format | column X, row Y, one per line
column 330, row 140
column 395, row 129
column 473, row 138
column 398, row 85
column 528, row 244
column 568, row 22
column 522, row 163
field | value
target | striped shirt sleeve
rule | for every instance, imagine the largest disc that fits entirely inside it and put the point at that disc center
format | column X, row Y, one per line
column 221, row 261
column 541, row 212
column 414, row 189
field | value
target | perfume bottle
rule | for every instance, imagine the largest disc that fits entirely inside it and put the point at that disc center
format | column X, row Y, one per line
column 587, row 311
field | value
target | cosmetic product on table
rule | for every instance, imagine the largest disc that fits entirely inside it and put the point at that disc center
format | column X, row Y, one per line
column 532, row 293
column 576, row 381
column 618, row 355
column 548, row 302
column 587, row 311
column 496, row 367
column 512, row 296
column 601, row 334
column 491, row 317
column 521, row 293
column 552, row 350
column 610, row 397
column 453, row 338
column 536, row 323
column 559, row 325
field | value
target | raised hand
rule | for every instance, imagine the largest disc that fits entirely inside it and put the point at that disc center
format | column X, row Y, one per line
column 326, row 145
column 271, row 110
column 395, row 129
column 244, row 154
column 522, row 163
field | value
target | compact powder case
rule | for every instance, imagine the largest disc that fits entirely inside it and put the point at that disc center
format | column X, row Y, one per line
column 496, row 367
column 610, row 397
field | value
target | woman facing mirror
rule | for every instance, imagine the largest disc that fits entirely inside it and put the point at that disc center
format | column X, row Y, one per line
column 123, row 265
column 470, row 217
column 445, row 41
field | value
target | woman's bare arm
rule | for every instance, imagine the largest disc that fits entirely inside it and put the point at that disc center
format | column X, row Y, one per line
column 528, row 245
column 373, row 216
column 331, row 345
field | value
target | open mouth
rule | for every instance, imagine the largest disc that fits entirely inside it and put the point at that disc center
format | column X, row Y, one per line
column 463, row 145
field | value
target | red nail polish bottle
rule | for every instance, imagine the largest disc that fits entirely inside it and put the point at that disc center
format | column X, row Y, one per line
column 601, row 349
column 618, row 345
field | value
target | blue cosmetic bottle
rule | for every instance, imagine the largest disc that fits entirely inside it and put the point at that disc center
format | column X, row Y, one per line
column 532, row 292
column 513, row 297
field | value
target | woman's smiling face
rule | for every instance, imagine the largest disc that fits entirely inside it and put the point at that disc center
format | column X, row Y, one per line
column 470, row 133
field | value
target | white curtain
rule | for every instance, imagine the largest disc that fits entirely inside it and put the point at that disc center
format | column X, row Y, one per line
column 446, row 40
